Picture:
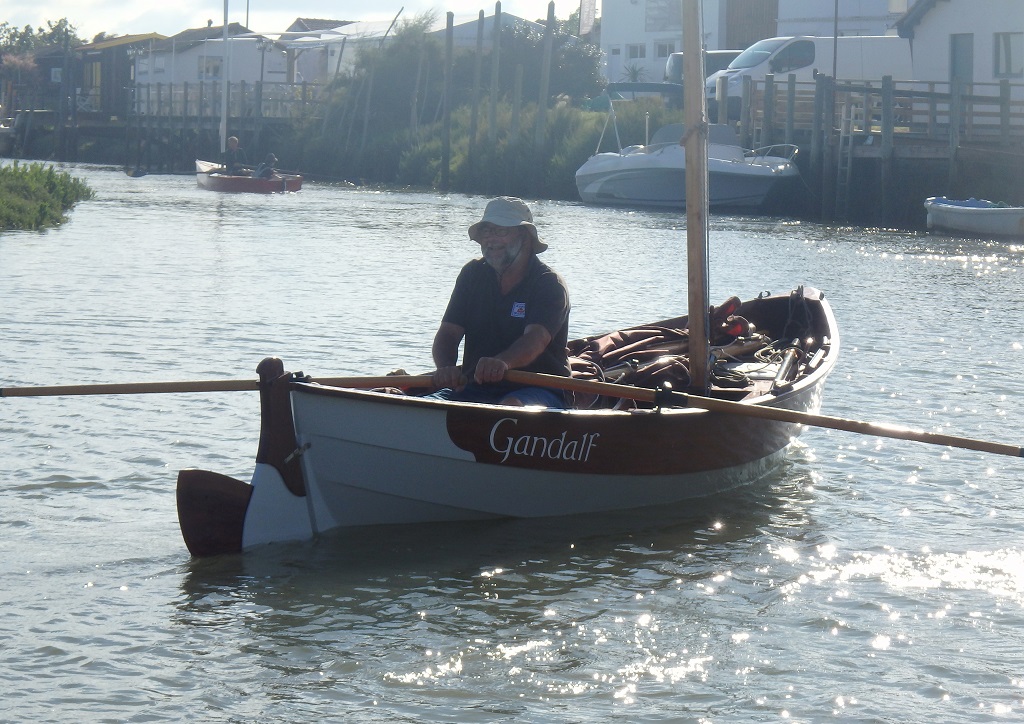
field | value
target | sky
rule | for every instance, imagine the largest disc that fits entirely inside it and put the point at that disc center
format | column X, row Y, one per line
column 167, row 17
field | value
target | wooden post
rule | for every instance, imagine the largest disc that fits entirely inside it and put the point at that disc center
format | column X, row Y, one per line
column 695, row 115
column 828, row 171
column 888, row 120
column 955, row 116
column 768, row 124
column 746, row 135
column 492, row 116
column 1004, row 111
column 721, row 98
column 414, row 111
column 790, row 107
column 933, row 124
column 446, row 123
column 513, row 131
column 474, row 112
column 545, row 84
column 816, row 132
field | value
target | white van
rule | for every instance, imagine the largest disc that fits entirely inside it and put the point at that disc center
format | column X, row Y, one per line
column 860, row 57
column 714, row 61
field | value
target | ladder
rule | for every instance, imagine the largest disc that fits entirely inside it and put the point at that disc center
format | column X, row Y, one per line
column 844, row 163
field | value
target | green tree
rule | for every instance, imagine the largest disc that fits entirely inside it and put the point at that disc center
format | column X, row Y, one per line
column 27, row 40
column 382, row 122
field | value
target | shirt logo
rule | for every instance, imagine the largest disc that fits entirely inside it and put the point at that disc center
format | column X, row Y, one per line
column 518, row 309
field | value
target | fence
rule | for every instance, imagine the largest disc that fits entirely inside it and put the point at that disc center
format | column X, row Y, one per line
column 204, row 99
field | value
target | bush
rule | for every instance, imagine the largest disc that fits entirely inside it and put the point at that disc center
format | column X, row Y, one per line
column 34, row 196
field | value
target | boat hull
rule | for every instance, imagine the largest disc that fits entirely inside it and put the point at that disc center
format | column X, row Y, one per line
column 657, row 178
column 212, row 180
column 974, row 217
column 333, row 457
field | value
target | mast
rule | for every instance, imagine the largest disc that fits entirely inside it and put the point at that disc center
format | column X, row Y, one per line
column 696, row 142
column 224, row 86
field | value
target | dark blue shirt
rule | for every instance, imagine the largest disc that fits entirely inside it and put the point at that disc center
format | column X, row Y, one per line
column 493, row 321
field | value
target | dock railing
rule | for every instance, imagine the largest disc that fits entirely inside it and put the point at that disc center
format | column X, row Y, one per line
column 771, row 111
column 892, row 119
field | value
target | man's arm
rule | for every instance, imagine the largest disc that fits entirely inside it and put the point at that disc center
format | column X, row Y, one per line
column 522, row 352
column 445, row 352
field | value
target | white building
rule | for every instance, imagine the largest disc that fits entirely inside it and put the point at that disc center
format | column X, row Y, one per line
column 310, row 51
column 855, row 17
column 974, row 41
column 637, row 36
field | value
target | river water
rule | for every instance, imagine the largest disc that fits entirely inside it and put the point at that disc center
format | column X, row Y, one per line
column 866, row 580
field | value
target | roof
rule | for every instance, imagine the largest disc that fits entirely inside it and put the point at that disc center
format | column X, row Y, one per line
column 905, row 24
column 121, row 40
column 194, row 36
column 315, row 24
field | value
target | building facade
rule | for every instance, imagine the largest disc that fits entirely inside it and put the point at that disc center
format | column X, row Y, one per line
column 637, row 36
column 971, row 41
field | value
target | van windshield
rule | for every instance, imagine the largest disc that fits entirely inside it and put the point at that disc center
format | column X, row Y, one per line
column 756, row 53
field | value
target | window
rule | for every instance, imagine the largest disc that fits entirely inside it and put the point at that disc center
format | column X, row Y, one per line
column 209, row 68
column 1009, row 55
column 636, row 51
column 616, row 51
column 663, row 50
column 799, row 54
column 661, row 16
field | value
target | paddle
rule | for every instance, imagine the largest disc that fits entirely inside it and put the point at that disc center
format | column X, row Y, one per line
column 681, row 399
column 138, row 388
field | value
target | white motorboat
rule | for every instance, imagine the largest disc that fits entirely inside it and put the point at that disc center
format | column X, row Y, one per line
column 654, row 174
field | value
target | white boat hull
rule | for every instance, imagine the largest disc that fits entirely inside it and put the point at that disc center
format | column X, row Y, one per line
column 974, row 217
column 656, row 176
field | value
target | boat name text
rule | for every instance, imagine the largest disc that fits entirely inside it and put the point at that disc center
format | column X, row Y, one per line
column 554, row 448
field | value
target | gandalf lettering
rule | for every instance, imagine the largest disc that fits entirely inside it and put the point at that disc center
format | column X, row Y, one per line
column 554, row 448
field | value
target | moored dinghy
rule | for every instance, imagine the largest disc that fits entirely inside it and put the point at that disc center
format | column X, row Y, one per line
column 977, row 217
column 333, row 456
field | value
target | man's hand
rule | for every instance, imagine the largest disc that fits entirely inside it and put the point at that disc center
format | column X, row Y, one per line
column 449, row 377
column 490, row 369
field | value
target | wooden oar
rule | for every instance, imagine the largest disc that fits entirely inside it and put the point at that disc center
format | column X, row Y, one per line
column 139, row 388
column 681, row 399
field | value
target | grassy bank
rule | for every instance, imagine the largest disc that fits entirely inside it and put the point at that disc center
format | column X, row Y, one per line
column 34, row 196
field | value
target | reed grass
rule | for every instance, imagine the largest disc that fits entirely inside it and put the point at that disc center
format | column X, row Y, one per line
column 35, row 196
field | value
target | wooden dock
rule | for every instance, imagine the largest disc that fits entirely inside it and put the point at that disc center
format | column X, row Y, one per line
column 873, row 153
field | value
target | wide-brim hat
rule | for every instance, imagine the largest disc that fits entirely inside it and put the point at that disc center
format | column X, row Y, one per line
column 508, row 211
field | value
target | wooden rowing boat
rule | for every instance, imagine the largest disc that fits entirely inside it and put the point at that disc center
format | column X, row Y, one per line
column 332, row 456
column 210, row 176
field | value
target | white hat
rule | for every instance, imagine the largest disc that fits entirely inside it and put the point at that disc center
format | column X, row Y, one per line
column 508, row 211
